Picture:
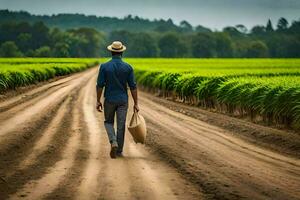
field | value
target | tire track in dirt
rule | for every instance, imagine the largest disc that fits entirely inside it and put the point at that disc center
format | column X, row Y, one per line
column 46, row 158
column 154, row 186
column 18, row 143
column 68, row 188
column 36, row 189
column 19, row 106
column 68, row 158
column 223, row 159
column 6, row 104
column 285, row 142
column 89, row 185
column 13, row 150
column 31, row 112
column 42, row 144
column 125, row 178
column 139, row 175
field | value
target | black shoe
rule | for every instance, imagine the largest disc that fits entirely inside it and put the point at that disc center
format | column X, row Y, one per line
column 113, row 151
column 120, row 154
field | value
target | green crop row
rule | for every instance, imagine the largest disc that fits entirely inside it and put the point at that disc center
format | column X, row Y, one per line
column 20, row 72
column 271, row 94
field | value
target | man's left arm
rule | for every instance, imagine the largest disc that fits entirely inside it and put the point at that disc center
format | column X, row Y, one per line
column 133, row 89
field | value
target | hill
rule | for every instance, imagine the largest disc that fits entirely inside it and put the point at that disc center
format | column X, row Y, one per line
column 105, row 24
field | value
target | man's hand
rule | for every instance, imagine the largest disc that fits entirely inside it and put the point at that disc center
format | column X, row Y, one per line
column 99, row 106
column 136, row 108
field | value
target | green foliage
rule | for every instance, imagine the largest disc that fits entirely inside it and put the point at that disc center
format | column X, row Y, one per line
column 257, row 49
column 204, row 46
column 75, row 35
column 282, row 24
column 32, row 40
column 269, row 27
column 43, row 52
column 224, row 45
column 24, row 71
column 171, row 45
column 265, row 87
column 73, row 21
column 9, row 49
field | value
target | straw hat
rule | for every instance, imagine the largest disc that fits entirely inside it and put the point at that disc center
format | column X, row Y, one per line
column 116, row 46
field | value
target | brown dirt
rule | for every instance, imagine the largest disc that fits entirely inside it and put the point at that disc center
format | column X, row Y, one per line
column 283, row 141
column 222, row 165
column 53, row 145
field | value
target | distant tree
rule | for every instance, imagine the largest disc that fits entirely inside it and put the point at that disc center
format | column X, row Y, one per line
column 9, row 49
column 24, row 41
column 295, row 27
column 241, row 48
column 89, row 42
column 61, row 50
column 257, row 49
column 122, row 35
column 258, row 30
column 170, row 21
column 170, row 45
column 202, row 29
column 241, row 28
column 7, row 32
column 187, row 27
column 43, row 52
column 232, row 31
column 40, row 35
column 224, row 45
column 23, row 27
column 30, row 35
column 144, row 46
column 269, row 27
column 203, row 46
column 105, row 24
column 282, row 24
column 290, row 47
column 283, row 46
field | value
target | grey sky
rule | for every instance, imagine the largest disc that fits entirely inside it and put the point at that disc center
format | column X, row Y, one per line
column 210, row 13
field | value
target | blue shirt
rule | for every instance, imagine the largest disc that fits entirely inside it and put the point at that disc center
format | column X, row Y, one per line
column 114, row 76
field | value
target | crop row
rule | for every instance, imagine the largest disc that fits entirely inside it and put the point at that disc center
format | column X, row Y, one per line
column 271, row 97
column 15, row 73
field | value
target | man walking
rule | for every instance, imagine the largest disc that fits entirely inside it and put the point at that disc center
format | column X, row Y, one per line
column 114, row 77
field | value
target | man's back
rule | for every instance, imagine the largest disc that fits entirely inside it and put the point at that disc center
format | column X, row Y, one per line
column 114, row 76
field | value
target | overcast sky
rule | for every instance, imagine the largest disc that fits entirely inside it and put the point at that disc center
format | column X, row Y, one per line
column 211, row 13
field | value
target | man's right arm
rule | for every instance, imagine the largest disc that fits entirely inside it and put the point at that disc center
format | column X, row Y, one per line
column 99, row 88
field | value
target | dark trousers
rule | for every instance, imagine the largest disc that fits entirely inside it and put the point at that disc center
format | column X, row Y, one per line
column 120, row 109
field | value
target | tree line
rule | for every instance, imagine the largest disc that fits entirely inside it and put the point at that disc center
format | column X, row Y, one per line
column 103, row 24
column 282, row 41
column 25, row 39
column 37, row 40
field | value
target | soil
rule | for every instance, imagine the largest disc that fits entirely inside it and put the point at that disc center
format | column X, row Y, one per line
column 53, row 145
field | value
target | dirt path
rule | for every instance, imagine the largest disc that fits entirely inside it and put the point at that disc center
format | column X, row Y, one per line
column 225, row 167
column 53, row 145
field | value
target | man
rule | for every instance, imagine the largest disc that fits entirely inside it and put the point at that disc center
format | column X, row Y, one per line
column 114, row 76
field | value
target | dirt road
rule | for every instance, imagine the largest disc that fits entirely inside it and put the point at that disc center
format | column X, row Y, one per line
column 53, row 146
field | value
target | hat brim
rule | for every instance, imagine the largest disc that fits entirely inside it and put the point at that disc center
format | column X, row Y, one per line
column 109, row 48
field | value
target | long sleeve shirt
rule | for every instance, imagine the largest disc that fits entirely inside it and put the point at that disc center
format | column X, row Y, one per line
column 114, row 76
